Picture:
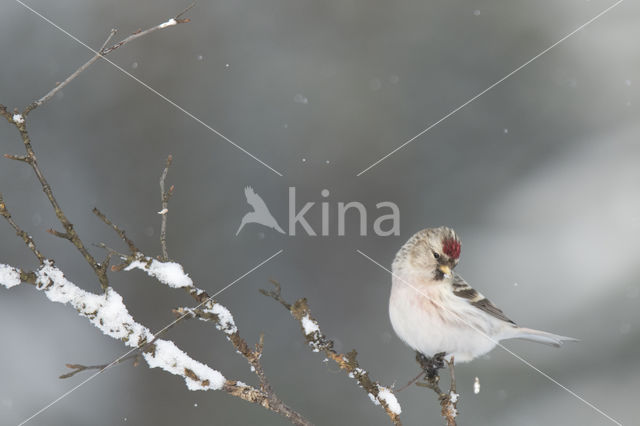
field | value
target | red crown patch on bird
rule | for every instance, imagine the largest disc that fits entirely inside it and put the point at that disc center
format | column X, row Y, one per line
column 451, row 248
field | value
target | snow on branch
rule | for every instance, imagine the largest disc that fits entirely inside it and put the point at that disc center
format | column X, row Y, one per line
column 169, row 273
column 318, row 342
column 9, row 276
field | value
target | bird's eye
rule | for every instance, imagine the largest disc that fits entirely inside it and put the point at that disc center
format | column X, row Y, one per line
column 436, row 255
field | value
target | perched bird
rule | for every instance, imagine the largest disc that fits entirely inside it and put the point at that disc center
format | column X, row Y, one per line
column 433, row 310
column 260, row 213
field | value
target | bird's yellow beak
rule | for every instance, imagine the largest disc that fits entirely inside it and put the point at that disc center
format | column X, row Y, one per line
column 445, row 270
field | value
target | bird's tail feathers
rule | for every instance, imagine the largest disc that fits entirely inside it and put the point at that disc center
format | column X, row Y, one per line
column 542, row 337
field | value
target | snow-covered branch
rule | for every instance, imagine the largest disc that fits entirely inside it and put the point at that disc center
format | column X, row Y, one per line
column 109, row 314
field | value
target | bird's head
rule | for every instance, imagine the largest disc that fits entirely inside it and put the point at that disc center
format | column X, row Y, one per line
column 434, row 251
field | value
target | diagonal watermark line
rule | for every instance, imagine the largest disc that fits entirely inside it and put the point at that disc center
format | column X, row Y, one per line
column 452, row 112
column 112, row 363
column 146, row 86
column 492, row 340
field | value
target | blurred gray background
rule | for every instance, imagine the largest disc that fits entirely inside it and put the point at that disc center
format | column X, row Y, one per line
column 540, row 177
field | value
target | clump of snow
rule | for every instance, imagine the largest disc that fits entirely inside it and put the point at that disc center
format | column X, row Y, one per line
column 105, row 311
column 169, row 273
column 18, row 118
column 170, row 358
column 385, row 394
column 309, row 325
column 453, row 397
column 9, row 276
column 356, row 372
column 225, row 319
column 169, row 23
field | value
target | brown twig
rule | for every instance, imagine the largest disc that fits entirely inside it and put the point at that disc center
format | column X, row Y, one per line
column 164, row 198
column 141, row 33
column 70, row 233
column 77, row 368
column 121, row 233
column 412, row 381
column 28, row 240
column 320, row 343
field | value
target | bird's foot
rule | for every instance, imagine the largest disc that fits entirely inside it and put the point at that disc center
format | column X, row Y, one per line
column 430, row 366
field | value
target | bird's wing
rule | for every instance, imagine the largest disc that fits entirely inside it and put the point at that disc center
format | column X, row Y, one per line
column 465, row 291
column 254, row 200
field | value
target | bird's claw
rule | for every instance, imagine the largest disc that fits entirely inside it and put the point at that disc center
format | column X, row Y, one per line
column 431, row 365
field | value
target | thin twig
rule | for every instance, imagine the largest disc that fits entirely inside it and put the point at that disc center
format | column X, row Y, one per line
column 68, row 80
column 412, row 381
column 164, row 197
column 28, row 240
column 121, row 233
column 185, row 10
column 114, row 252
column 141, row 33
column 77, row 368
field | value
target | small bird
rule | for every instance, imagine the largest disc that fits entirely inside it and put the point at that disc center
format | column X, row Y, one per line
column 435, row 311
column 260, row 213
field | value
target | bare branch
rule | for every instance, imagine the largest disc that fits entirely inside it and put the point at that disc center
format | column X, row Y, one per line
column 28, row 240
column 164, row 197
column 70, row 233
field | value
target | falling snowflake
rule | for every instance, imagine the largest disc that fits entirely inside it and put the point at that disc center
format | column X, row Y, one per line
column 476, row 385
